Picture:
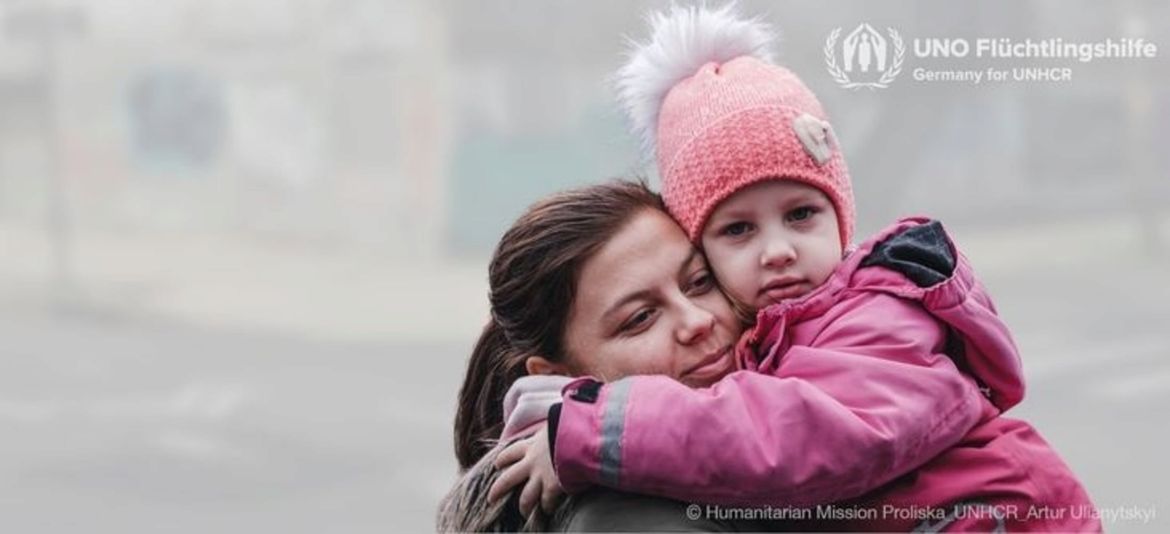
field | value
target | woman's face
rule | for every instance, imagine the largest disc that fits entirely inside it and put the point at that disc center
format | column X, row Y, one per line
column 646, row 303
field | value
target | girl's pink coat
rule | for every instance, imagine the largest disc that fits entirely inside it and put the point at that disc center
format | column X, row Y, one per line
column 846, row 395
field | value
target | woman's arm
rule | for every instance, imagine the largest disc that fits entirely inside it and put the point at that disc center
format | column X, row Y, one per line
column 837, row 421
column 467, row 508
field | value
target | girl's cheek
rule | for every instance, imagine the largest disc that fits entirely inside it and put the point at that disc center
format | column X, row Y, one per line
column 715, row 302
column 740, row 293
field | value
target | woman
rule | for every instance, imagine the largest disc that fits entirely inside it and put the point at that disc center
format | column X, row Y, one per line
column 594, row 281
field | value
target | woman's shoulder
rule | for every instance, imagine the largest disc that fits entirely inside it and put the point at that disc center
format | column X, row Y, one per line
column 605, row 510
column 466, row 507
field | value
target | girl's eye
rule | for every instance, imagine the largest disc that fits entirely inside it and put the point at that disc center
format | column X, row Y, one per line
column 802, row 213
column 737, row 229
column 639, row 320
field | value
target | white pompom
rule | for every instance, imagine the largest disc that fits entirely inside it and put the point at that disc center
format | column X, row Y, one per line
column 682, row 40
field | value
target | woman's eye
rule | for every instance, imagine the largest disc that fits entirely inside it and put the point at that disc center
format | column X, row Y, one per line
column 736, row 229
column 639, row 320
column 802, row 213
column 702, row 282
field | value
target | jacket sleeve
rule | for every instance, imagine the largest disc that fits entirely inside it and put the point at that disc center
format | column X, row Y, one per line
column 836, row 420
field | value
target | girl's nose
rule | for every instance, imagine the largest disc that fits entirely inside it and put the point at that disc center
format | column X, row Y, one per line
column 777, row 252
column 697, row 324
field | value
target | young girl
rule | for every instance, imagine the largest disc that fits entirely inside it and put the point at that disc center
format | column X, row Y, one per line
column 875, row 376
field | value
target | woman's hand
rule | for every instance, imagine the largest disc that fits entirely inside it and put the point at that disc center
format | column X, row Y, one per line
column 528, row 460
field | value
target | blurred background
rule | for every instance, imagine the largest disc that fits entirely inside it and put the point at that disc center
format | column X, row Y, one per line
column 244, row 244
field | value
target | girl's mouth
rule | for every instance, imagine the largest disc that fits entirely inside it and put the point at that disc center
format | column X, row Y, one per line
column 777, row 291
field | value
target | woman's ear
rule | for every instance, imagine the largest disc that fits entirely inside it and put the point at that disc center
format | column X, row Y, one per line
column 537, row 365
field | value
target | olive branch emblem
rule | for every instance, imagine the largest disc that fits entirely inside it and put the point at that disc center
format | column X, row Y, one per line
column 842, row 78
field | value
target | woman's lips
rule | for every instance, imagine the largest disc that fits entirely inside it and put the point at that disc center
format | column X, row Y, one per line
column 712, row 365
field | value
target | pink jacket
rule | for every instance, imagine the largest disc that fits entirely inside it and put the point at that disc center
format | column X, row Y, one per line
column 853, row 391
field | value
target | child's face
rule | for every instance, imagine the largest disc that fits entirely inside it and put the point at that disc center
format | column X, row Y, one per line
column 772, row 241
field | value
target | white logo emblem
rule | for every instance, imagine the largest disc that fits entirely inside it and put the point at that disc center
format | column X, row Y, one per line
column 866, row 56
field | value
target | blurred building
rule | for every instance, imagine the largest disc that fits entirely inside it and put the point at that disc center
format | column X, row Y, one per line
column 419, row 129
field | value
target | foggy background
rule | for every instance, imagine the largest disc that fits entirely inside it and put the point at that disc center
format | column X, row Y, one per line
column 244, row 243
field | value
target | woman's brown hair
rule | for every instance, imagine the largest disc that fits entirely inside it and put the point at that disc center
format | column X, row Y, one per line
column 532, row 279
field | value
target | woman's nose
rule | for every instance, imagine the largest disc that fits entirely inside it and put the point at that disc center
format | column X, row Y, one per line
column 697, row 324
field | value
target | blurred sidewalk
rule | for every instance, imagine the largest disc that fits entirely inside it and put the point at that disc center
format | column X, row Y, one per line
column 246, row 284
column 239, row 283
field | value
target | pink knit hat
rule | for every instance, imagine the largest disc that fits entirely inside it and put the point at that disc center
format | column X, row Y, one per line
column 719, row 116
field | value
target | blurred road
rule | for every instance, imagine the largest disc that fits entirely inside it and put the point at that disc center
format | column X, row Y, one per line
column 1096, row 350
column 119, row 422
column 111, row 426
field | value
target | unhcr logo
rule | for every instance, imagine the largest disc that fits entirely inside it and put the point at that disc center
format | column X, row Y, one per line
column 868, row 59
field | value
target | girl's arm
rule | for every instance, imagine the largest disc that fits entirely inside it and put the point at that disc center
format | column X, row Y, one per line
column 836, row 421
